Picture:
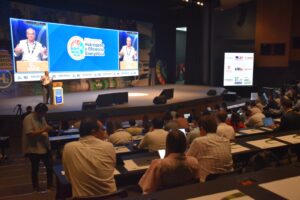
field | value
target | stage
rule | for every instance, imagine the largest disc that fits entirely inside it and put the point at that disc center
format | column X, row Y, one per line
column 140, row 101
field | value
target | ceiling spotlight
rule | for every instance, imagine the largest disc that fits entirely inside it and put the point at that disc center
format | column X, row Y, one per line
column 185, row 0
column 201, row 4
column 198, row 3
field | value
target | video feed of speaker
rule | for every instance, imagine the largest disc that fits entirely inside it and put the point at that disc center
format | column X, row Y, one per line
column 71, row 52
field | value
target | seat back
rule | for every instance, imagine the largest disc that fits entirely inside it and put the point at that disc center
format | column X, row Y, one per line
column 116, row 195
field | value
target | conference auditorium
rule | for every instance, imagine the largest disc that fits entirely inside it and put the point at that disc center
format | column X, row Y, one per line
column 149, row 99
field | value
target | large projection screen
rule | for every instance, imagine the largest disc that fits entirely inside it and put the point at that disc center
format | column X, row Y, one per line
column 71, row 52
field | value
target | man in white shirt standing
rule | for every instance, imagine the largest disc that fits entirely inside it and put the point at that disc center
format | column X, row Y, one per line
column 46, row 83
column 90, row 162
column 223, row 129
column 36, row 144
column 30, row 49
column 128, row 53
column 212, row 151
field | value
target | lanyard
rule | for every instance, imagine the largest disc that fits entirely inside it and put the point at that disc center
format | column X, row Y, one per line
column 32, row 48
column 128, row 54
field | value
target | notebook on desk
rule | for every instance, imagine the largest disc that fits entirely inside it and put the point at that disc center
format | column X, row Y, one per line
column 139, row 163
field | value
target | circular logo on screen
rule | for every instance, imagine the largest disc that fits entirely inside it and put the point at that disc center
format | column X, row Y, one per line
column 5, row 79
column 76, row 48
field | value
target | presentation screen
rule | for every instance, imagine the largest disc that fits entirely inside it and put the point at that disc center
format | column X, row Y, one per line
column 71, row 52
column 238, row 69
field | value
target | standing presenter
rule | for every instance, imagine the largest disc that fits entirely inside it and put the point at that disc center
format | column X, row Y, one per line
column 46, row 81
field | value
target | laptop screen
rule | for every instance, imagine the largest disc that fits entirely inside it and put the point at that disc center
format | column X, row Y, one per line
column 268, row 121
column 183, row 130
column 161, row 153
column 186, row 115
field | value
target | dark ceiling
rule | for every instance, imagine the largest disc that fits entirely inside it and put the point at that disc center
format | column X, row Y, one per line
column 148, row 10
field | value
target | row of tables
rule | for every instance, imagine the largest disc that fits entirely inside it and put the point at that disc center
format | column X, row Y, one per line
column 132, row 163
column 270, row 183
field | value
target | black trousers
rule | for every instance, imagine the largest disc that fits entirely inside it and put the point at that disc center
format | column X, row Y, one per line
column 46, row 93
column 35, row 161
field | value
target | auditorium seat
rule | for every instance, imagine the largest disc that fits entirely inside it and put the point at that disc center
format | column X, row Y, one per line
column 211, row 177
column 119, row 194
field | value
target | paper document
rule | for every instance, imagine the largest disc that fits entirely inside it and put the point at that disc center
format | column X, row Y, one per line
column 122, row 149
column 287, row 188
column 278, row 120
column 64, row 137
column 251, row 131
column 138, row 163
column 116, row 172
column 236, row 148
column 293, row 139
column 266, row 143
column 238, row 134
column 266, row 128
column 137, row 137
column 232, row 194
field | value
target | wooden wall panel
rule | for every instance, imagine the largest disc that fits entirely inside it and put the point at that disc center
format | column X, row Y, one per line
column 273, row 25
column 295, row 53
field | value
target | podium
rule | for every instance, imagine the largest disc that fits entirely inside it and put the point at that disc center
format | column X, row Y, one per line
column 127, row 65
column 57, row 93
column 32, row 66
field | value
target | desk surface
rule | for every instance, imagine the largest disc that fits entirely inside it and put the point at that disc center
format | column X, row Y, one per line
column 231, row 183
column 250, row 150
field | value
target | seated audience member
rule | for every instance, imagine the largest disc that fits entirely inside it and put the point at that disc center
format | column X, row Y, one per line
column 236, row 122
column 290, row 119
column 182, row 122
column 28, row 111
column 223, row 129
column 194, row 131
column 291, row 93
column 146, row 124
column 90, row 162
column 64, row 125
column 118, row 135
column 174, row 170
column 212, row 151
column 193, row 115
column 254, row 108
column 259, row 104
column 206, row 111
column 170, row 124
column 134, row 129
column 155, row 139
column 76, row 124
column 272, row 104
column 296, row 107
column 173, row 114
column 254, row 119
column 273, row 108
